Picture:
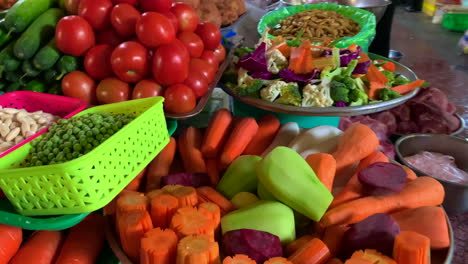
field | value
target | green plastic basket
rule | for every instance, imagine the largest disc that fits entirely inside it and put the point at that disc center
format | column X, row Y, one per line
column 455, row 22
column 93, row 180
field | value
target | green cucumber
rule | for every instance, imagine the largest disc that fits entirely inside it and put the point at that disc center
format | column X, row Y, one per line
column 50, row 75
column 3, row 14
column 47, row 56
column 36, row 86
column 29, row 70
column 11, row 63
column 5, row 37
column 56, row 89
column 6, row 53
column 13, row 76
column 13, row 87
column 67, row 64
column 24, row 12
column 38, row 33
column 3, row 86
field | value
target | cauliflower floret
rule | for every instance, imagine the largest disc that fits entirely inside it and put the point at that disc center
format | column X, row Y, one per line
column 265, row 39
column 276, row 61
column 273, row 90
column 243, row 78
column 317, row 95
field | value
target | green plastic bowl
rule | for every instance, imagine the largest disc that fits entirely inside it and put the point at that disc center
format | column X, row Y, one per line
column 365, row 19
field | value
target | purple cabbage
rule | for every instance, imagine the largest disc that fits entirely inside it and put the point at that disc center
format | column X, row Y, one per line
column 186, row 179
column 341, row 104
column 289, row 76
column 255, row 61
column 346, row 56
column 262, row 75
column 361, row 67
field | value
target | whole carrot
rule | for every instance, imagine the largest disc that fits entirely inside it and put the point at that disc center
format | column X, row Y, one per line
column 424, row 191
column 135, row 184
column 160, row 166
column 208, row 194
column 313, row 252
column 213, row 172
column 190, row 141
column 324, row 166
column 216, row 133
column 333, row 236
column 84, row 242
column 410, row 175
column 241, row 135
column 10, row 241
column 41, row 248
column 268, row 126
column 297, row 244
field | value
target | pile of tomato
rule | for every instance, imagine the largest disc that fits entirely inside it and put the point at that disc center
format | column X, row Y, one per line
column 139, row 48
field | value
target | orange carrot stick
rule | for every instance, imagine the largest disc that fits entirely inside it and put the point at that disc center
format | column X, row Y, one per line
column 212, row 211
column 324, row 166
column 41, row 248
column 132, row 226
column 369, row 256
column 111, row 208
column 268, row 126
column 186, row 195
column 212, row 169
column 333, row 236
column 197, row 249
column 160, row 166
column 239, row 259
column 208, row 194
column 132, row 201
column 278, row 260
column 389, row 66
column 429, row 221
column 134, row 185
column 84, row 242
column 313, row 252
column 410, row 175
column 406, row 88
column 158, row 246
column 190, row 141
column 334, row 261
column 356, row 143
column 241, row 135
column 188, row 221
column 216, row 133
column 297, row 244
column 376, row 79
column 10, row 241
column 155, row 193
column 163, row 207
column 412, row 248
column 424, row 191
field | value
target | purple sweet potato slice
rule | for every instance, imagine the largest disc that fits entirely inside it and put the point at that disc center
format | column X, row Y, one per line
column 377, row 232
column 382, row 178
column 258, row 245
column 186, row 179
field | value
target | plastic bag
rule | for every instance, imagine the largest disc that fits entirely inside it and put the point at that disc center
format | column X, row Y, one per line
column 365, row 19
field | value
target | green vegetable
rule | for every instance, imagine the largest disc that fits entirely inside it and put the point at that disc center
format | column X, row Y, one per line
column 67, row 64
column 251, row 90
column 24, row 12
column 3, row 86
column 4, row 35
column 3, row 14
column 56, row 88
column 13, row 76
column 336, row 57
column 47, row 56
column 400, row 80
column 288, row 177
column 230, row 77
column 36, row 86
column 390, row 76
column 50, row 75
column 241, row 52
column 240, row 176
column 386, row 94
column 350, row 68
column 328, row 73
column 348, row 81
column 38, row 33
column 264, row 194
column 290, row 95
column 29, row 70
column 13, row 87
column 339, row 92
column 69, row 139
column 8, row 62
column 269, row 216
column 297, row 41
column 358, row 97
column 244, row 199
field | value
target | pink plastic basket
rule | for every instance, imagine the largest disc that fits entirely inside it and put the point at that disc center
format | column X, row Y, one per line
column 62, row 106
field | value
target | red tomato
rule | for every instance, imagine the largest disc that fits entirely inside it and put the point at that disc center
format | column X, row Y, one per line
column 74, row 35
column 96, row 12
column 210, row 57
column 197, row 82
column 171, row 63
column 186, row 15
column 109, row 37
column 72, row 6
column 220, row 53
column 210, row 35
column 146, row 88
column 78, row 84
column 131, row 2
column 112, row 90
column 123, row 18
column 129, row 61
column 173, row 20
column 179, row 98
column 192, row 42
column 154, row 29
column 156, row 5
column 199, row 65
column 97, row 61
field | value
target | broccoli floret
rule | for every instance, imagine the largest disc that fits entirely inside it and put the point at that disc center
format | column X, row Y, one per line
column 252, row 90
column 348, row 81
column 240, row 52
column 328, row 73
column 350, row 68
column 339, row 92
column 229, row 77
column 400, row 80
column 358, row 97
column 359, row 84
column 386, row 94
column 290, row 95
column 390, row 77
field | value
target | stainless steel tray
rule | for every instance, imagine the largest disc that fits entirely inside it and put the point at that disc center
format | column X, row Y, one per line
column 333, row 111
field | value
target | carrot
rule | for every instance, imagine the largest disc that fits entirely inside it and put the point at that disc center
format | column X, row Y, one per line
column 410, row 175
column 411, row 248
column 132, row 201
column 241, row 135
column 296, row 59
column 197, row 249
column 163, row 208
column 284, row 49
column 314, row 251
column 333, row 236
column 212, row 169
column 278, row 260
column 424, row 191
column 216, row 133
column 186, row 195
column 323, row 62
column 212, row 211
column 239, row 259
column 429, row 221
column 359, row 261
column 111, row 208
column 158, row 246
column 356, row 143
column 188, row 221
column 297, row 244
column 334, row 261
column 10, row 241
column 324, row 166
column 133, row 225
column 353, row 188
column 134, row 185
column 370, row 256
column 208, row 194
column 353, row 47
column 406, row 88
column 268, row 126
column 160, row 166
column 41, row 248
column 190, row 141
column 377, row 80
column 84, row 242
column 389, row 66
